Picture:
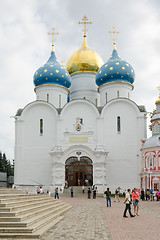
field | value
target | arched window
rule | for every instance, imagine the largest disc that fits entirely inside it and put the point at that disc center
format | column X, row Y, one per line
column 151, row 162
column 118, row 124
column 117, row 94
column 156, row 128
column 96, row 102
column 47, row 97
column 59, row 101
column 41, row 127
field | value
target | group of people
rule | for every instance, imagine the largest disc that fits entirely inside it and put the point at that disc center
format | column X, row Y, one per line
column 90, row 191
column 129, row 198
column 40, row 190
column 150, row 194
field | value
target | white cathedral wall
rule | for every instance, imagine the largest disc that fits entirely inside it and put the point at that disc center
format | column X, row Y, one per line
column 124, row 157
column 74, row 110
column 32, row 159
column 83, row 86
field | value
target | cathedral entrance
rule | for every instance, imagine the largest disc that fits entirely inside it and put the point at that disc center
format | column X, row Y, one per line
column 79, row 172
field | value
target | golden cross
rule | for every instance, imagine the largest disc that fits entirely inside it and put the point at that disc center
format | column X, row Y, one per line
column 53, row 33
column 114, row 37
column 84, row 21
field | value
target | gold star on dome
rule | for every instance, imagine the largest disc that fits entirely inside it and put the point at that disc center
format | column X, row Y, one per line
column 85, row 22
column 114, row 37
column 53, row 33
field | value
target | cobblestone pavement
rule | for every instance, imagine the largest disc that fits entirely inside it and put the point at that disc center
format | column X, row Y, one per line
column 91, row 219
column 84, row 221
column 143, row 227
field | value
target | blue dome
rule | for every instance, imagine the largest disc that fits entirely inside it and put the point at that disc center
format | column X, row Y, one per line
column 115, row 69
column 52, row 73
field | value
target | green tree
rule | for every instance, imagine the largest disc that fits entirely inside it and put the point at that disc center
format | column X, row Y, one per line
column 1, row 163
column 151, row 114
column 5, row 165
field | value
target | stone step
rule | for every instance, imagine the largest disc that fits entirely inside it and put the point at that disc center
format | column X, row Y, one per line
column 4, row 209
column 17, row 204
column 13, row 224
column 36, row 234
column 45, row 219
column 10, row 219
column 30, row 210
column 36, row 211
column 25, row 216
column 11, row 199
column 48, row 213
column 7, row 196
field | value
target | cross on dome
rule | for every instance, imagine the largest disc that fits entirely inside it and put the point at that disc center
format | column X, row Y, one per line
column 53, row 33
column 114, row 37
column 84, row 21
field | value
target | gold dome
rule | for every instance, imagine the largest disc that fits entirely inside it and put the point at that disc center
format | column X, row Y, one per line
column 84, row 60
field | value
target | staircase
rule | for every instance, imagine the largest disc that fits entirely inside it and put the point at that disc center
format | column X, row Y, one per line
column 77, row 191
column 28, row 216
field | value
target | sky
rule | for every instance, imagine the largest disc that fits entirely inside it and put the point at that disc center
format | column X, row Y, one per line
column 25, row 46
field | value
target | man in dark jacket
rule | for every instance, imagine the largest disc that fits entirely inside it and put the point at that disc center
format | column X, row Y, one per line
column 108, row 197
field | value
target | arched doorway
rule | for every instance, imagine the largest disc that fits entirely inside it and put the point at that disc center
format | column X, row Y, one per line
column 79, row 172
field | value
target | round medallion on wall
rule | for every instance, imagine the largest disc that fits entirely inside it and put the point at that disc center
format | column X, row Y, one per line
column 78, row 127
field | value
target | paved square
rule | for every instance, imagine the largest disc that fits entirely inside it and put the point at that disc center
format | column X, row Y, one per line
column 90, row 219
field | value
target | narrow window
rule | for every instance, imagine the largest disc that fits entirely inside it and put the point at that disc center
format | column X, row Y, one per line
column 150, row 162
column 118, row 124
column 41, row 127
column 128, row 96
column 96, row 102
column 59, row 101
column 117, row 94
column 81, row 120
column 106, row 98
column 47, row 97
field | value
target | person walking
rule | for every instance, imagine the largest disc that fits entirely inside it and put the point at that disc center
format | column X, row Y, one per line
column 127, row 201
column 158, row 195
column 72, row 192
column 94, row 192
column 83, row 188
column 135, row 197
column 56, row 195
column 108, row 197
column 116, row 195
column 142, row 194
column 89, row 193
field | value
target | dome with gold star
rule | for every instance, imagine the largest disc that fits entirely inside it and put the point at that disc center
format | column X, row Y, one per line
column 115, row 69
column 52, row 73
column 84, row 60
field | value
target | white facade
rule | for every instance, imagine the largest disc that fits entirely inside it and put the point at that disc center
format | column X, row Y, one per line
column 48, row 133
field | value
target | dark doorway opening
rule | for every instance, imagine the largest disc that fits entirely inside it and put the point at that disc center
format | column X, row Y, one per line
column 79, row 172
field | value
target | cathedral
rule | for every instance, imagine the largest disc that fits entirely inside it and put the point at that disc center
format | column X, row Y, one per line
column 150, row 173
column 83, row 127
